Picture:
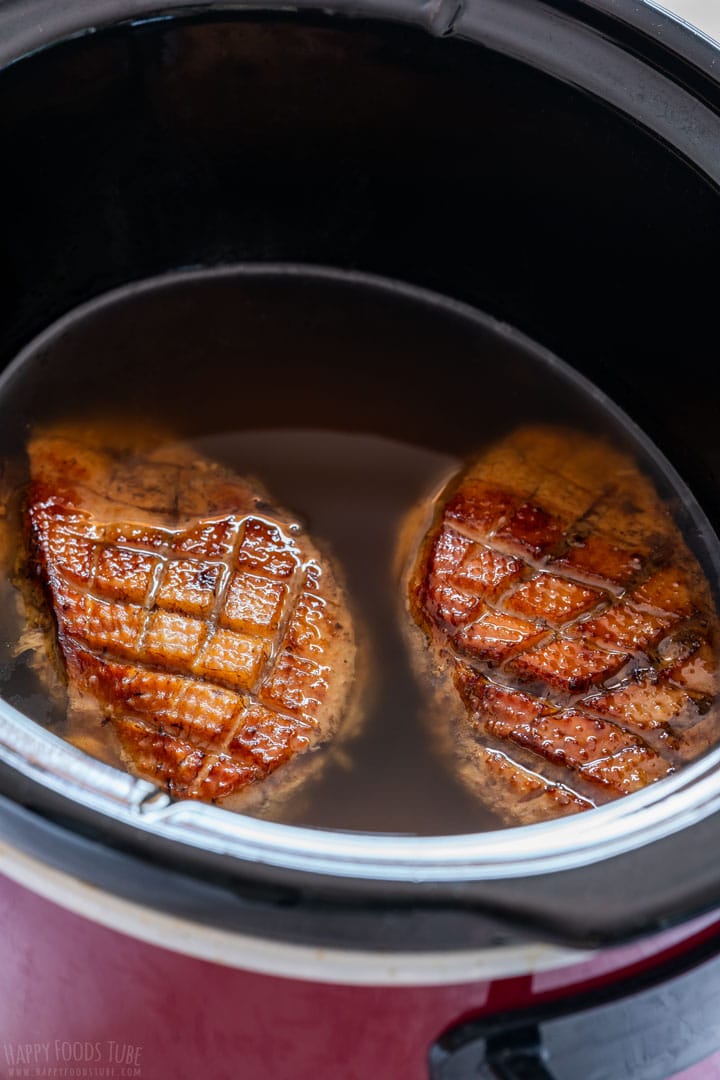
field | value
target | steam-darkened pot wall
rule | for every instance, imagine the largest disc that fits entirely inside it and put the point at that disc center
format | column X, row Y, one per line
column 368, row 145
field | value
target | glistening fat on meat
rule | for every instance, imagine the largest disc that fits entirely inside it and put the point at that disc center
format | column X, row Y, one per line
column 190, row 612
column 564, row 625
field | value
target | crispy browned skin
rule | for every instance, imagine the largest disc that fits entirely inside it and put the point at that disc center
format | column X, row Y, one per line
column 189, row 611
column 578, row 633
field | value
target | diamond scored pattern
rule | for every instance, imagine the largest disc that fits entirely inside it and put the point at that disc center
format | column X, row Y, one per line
column 563, row 605
column 517, row 597
column 230, row 614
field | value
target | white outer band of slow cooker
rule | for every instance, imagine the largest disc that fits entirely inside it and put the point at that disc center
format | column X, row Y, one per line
column 290, row 961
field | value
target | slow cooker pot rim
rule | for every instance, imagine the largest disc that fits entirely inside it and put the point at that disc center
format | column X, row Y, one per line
column 32, row 25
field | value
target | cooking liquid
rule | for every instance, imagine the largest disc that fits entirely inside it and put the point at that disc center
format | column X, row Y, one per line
column 350, row 403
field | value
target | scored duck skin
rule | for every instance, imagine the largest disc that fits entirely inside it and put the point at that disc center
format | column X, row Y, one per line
column 196, row 617
column 570, row 632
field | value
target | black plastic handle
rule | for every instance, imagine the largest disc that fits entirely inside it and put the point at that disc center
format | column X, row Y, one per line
column 514, row 1054
column 524, row 1059
column 649, row 1027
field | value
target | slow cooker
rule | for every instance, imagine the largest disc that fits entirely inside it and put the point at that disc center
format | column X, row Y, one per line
column 552, row 165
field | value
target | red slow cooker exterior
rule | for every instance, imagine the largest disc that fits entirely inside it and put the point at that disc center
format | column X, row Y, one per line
column 79, row 996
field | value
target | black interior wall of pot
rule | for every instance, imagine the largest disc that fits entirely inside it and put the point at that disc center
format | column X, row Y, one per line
column 370, row 146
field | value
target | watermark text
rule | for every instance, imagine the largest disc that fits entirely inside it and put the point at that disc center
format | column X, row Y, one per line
column 63, row 1060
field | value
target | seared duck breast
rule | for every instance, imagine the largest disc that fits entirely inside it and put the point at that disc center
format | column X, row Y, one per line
column 571, row 633
column 190, row 612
